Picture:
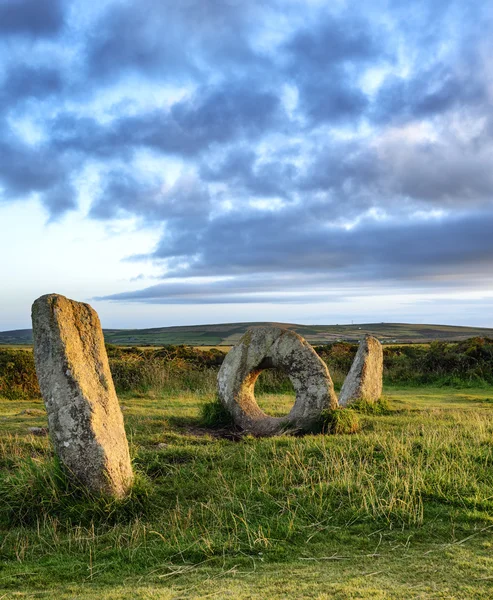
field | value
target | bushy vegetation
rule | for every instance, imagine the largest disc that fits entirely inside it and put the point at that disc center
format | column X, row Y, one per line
column 469, row 362
column 174, row 369
column 440, row 363
column 170, row 369
column 17, row 375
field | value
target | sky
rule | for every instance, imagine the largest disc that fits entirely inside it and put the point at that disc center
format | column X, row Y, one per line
column 209, row 161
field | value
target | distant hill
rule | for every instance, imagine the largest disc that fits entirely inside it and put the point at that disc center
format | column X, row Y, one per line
column 227, row 334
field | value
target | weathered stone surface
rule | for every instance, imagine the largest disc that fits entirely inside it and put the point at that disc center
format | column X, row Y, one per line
column 84, row 417
column 364, row 380
column 268, row 347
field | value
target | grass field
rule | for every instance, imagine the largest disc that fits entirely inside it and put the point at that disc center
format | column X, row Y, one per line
column 403, row 509
column 228, row 334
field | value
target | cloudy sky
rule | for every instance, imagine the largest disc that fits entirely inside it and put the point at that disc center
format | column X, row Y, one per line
column 194, row 161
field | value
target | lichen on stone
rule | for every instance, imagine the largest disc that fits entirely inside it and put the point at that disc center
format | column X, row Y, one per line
column 274, row 347
column 365, row 378
column 84, row 416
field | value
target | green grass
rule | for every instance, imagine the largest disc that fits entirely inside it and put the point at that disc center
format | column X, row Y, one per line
column 401, row 509
column 339, row 421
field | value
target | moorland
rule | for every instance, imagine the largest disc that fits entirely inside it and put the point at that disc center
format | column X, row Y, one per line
column 402, row 507
column 228, row 334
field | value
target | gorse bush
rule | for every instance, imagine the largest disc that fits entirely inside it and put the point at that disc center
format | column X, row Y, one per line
column 174, row 369
column 17, row 375
column 469, row 362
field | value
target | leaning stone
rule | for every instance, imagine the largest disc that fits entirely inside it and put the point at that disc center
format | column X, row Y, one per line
column 84, row 418
column 270, row 347
column 364, row 380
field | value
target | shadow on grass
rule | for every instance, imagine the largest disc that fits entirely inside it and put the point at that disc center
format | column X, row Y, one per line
column 195, row 426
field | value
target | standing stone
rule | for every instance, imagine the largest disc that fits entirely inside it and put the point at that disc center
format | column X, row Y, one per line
column 273, row 347
column 364, row 380
column 84, row 417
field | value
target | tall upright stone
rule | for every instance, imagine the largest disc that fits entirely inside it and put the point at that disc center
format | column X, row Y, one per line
column 84, row 417
column 364, row 380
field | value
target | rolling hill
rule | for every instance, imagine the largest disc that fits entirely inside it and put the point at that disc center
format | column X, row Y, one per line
column 227, row 334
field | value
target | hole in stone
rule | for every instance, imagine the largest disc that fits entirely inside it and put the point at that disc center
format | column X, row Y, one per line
column 274, row 392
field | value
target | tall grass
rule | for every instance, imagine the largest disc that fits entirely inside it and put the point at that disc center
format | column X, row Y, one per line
column 202, row 497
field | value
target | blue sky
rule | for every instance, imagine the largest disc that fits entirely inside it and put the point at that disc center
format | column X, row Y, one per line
column 222, row 160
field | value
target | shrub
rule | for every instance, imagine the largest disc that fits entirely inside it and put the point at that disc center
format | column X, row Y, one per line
column 17, row 375
column 170, row 369
column 173, row 369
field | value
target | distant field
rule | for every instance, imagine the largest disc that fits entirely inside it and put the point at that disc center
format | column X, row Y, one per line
column 228, row 334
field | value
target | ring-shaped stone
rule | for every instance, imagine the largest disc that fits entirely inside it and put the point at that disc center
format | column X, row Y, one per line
column 273, row 347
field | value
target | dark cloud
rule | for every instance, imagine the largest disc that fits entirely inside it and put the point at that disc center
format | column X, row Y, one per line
column 227, row 291
column 307, row 146
column 219, row 298
column 431, row 92
column 31, row 17
column 179, row 40
column 444, row 45
column 399, row 172
column 258, row 266
column 295, row 242
column 342, row 165
column 27, row 169
column 245, row 172
column 25, row 82
column 216, row 115
column 59, row 198
column 324, row 61
column 122, row 195
column 443, row 173
column 332, row 40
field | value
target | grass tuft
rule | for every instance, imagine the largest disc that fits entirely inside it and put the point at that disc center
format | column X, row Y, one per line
column 39, row 490
column 213, row 414
column 339, row 421
column 380, row 407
